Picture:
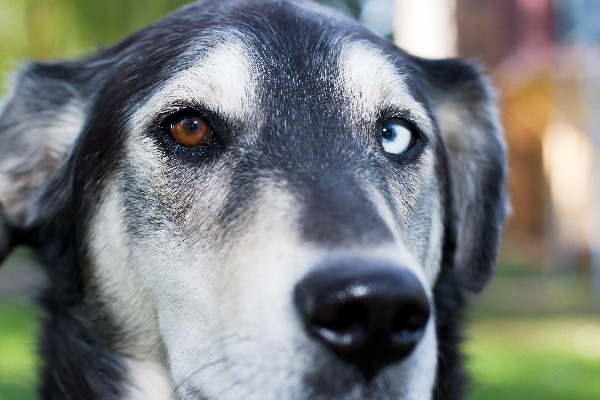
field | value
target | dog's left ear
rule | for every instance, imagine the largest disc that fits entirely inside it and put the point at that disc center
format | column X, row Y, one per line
column 464, row 108
column 40, row 120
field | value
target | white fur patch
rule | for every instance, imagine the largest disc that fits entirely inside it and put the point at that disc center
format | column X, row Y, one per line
column 418, row 371
column 371, row 83
column 120, row 284
column 148, row 381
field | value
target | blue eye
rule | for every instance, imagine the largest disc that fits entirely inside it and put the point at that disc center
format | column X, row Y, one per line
column 397, row 136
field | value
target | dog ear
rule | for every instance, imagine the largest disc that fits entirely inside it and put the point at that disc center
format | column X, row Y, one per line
column 39, row 121
column 464, row 108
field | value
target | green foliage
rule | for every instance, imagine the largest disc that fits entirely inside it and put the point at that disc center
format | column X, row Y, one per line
column 57, row 29
column 18, row 332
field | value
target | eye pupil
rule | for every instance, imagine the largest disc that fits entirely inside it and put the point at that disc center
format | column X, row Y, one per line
column 387, row 133
column 193, row 126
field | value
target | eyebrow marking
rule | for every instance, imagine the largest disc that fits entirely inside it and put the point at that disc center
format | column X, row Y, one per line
column 223, row 80
column 371, row 82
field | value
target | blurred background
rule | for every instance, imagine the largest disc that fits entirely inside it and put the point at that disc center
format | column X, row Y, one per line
column 535, row 332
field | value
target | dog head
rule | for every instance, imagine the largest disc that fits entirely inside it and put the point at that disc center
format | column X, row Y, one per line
column 256, row 199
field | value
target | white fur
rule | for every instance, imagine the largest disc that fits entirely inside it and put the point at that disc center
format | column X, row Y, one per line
column 120, row 282
column 371, row 82
column 244, row 340
column 148, row 381
column 418, row 371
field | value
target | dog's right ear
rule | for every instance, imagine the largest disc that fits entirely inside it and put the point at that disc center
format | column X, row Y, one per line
column 465, row 110
column 40, row 120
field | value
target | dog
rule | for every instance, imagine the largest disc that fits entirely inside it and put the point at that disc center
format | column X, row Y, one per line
column 253, row 199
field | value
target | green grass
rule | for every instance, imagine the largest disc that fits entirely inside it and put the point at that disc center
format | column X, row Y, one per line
column 545, row 358
column 536, row 335
column 18, row 327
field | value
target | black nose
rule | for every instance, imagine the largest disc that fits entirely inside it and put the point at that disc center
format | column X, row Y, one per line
column 369, row 315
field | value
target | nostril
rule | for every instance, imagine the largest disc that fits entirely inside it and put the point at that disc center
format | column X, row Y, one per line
column 409, row 323
column 342, row 324
column 369, row 315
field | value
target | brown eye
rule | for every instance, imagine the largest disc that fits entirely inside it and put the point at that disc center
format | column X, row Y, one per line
column 191, row 131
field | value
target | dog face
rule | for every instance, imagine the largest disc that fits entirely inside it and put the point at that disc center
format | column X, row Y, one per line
column 253, row 199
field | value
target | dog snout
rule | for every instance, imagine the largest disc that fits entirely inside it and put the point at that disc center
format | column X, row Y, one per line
column 369, row 315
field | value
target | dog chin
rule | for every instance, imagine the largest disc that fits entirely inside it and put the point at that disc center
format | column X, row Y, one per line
column 335, row 383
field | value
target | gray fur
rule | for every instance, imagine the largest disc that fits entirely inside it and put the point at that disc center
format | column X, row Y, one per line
column 39, row 123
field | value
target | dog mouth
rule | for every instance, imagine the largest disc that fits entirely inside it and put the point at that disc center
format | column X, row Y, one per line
column 317, row 386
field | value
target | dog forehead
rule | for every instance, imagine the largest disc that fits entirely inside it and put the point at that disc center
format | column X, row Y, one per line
column 247, row 66
column 231, row 80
